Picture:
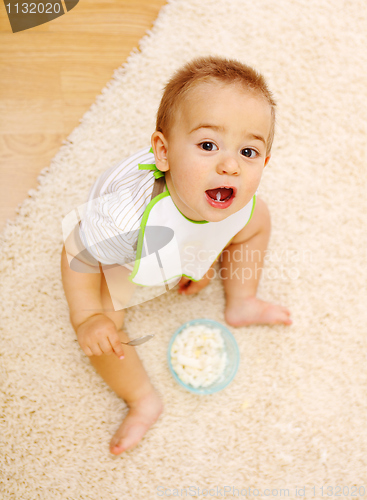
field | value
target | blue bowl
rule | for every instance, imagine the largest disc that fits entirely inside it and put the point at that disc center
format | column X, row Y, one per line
column 233, row 358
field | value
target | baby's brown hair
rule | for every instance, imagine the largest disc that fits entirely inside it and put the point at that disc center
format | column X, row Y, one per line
column 206, row 69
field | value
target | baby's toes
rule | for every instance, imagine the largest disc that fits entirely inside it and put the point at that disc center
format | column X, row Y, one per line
column 284, row 317
column 129, row 438
column 277, row 315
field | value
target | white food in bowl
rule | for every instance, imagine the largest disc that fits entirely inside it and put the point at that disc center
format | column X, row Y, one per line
column 198, row 355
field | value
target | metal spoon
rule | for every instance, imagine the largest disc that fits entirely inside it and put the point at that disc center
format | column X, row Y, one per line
column 139, row 340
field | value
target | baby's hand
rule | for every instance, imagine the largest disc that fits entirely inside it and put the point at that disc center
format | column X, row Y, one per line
column 98, row 335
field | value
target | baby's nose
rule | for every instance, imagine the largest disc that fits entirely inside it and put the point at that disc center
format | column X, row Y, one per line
column 228, row 165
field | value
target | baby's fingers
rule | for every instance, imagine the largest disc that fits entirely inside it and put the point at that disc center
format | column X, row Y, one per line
column 105, row 346
column 117, row 346
column 92, row 350
column 87, row 351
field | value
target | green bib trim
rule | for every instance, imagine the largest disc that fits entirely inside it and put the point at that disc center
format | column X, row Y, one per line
column 142, row 232
column 253, row 208
column 151, row 166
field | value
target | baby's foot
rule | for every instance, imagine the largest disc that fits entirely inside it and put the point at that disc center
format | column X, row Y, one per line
column 253, row 311
column 141, row 416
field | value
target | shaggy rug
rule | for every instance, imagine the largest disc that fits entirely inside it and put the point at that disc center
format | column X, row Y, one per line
column 293, row 422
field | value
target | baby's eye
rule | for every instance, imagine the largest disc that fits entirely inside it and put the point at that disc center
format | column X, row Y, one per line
column 249, row 153
column 208, row 146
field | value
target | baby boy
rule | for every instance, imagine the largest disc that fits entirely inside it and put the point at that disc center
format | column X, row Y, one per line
column 213, row 138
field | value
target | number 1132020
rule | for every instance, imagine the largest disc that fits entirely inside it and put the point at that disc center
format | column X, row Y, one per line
column 33, row 8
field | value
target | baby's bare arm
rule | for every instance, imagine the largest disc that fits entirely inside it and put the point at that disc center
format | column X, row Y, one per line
column 82, row 291
column 97, row 334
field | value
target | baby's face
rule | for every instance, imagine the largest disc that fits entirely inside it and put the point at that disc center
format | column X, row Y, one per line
column 216, row 151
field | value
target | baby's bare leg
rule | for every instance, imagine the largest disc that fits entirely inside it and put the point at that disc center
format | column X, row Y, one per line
column 130, row 381
column 241, row 265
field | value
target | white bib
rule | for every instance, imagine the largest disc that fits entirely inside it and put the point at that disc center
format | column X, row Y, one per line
column 171, row 246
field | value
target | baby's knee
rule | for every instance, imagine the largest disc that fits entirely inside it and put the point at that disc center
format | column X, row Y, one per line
column 262, row 215
column 262, row 209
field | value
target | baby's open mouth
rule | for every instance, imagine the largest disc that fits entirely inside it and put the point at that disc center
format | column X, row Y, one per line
column 220, row 194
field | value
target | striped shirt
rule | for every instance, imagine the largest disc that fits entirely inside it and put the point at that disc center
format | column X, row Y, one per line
column 110, row 225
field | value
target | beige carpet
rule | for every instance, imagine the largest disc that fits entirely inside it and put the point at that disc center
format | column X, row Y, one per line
column 296, row 414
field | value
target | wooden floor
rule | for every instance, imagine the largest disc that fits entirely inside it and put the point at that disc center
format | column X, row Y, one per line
column 50, row 75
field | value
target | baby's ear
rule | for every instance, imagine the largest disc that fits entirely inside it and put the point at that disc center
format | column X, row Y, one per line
column 159, row 145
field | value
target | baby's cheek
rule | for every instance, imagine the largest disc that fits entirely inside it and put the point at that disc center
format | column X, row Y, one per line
column 249, row 190
column 252, row 185
column 255, row 181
